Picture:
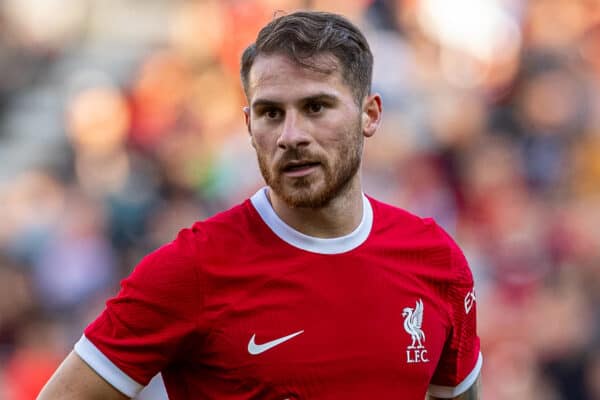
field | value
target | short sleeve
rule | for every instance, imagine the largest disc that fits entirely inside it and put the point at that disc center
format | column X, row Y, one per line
column 461, row 359
column 147, row 324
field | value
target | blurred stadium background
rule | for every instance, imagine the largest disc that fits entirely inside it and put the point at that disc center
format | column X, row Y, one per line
column 121, row 122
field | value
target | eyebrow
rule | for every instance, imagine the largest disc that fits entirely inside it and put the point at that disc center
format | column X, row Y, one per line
column 323, row 96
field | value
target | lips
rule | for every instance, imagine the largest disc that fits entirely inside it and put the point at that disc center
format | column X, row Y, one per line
column 298, row 165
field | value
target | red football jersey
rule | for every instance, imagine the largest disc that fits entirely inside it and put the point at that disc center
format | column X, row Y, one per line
column 242, row 306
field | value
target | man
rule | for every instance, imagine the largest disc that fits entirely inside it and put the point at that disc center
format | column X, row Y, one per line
column 308, row 290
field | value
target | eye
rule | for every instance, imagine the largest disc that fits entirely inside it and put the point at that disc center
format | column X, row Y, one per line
column 272, row 113
column 314, row 107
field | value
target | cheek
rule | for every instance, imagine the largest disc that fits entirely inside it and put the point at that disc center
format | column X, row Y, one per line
column 262, row 136
column 342, row 137
column 264, row 147
column 261, row 144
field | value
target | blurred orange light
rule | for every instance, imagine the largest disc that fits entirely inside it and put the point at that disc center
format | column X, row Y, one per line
column 98, row 120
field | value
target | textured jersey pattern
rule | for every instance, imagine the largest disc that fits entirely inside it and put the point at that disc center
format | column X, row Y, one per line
column 203, row 308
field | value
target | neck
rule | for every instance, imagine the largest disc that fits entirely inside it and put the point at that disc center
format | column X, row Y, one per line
column 339, row 217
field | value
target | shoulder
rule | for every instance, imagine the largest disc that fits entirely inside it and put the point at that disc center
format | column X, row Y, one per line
column 203, row 235
column 390, row 218
column 179, row 259
column 386, row 210
column 236, row 218
column 425, row 239
column 237, row 228
column 459, row 265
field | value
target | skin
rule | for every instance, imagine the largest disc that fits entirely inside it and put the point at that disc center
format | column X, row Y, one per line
column 297, row 115
column 75, row 380
column 473, row 393
column 299, row 118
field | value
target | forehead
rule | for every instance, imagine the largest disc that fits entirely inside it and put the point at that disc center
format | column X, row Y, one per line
column 276, row 75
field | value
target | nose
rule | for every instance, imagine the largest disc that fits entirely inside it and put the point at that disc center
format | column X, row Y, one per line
column 293, row 132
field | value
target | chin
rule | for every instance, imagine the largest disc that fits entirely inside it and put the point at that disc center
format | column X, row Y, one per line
column 312, row 191
column 306, row 201
column 300, row 198
column 305, row 196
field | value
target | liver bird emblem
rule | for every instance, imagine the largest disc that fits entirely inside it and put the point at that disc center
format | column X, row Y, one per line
column 413, row 319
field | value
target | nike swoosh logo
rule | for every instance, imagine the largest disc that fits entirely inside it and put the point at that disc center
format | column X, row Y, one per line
column 255, row 349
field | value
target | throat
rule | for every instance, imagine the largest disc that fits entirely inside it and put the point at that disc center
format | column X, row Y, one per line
column 339, row 218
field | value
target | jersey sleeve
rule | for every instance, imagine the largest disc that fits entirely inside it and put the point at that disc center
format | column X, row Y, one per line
column 148, row 323
column 461, row 359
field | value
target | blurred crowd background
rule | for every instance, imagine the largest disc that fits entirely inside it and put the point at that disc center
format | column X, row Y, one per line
column 121, row 122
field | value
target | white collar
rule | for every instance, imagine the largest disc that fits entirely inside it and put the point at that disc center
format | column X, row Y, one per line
column 313, row 244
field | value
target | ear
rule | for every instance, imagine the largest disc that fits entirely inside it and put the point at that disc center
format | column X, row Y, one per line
column 246, row 110
column 248, row 125
column 371, row 114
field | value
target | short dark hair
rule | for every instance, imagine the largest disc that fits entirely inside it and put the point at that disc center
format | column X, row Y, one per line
column 304, row 34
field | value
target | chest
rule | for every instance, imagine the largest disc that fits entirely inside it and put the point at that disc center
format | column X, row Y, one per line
column 318, row 327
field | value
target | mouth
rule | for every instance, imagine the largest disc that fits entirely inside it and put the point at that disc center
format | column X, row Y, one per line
column 298, row 165
column 299, row 168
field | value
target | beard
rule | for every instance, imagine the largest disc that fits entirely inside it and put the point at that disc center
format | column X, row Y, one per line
column 316, row 191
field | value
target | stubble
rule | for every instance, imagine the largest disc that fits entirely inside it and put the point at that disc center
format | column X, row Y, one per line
column 316, row 190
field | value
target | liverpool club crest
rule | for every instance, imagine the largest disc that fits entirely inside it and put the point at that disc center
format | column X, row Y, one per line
column 413, row 320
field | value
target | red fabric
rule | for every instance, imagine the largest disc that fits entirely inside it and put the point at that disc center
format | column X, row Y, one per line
column 190, row 309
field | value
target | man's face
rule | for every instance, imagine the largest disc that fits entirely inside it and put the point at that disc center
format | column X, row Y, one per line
column 306, row 128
